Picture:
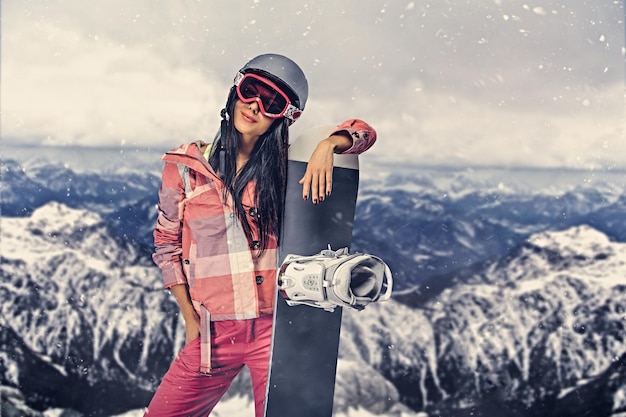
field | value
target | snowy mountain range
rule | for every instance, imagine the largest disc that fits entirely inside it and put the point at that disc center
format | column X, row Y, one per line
column 538, row 333
column 511, row 300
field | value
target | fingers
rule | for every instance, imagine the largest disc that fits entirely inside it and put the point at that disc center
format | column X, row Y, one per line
column 316, row 185
column 321, row 187
column 329, row 182
column 317, row 189
column 318, row 177
column 306, row 185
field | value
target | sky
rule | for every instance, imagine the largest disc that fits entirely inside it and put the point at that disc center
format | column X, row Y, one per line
column 444, row 82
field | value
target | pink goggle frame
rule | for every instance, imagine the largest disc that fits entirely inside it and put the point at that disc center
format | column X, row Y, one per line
column 272, row 101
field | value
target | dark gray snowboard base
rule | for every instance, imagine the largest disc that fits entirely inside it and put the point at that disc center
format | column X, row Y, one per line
column 306, row 339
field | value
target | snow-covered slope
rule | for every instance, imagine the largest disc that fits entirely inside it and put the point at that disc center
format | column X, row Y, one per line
column 510, row 302
column 83, row 313
column 427, row 226
column 86, row 325
column 523, row 333
column 127, row 199
column 539, row 333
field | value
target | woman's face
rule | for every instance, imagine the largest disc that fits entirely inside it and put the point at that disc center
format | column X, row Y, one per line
column 249, row 121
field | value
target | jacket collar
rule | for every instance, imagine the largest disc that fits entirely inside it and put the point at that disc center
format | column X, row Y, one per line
column 190, row 154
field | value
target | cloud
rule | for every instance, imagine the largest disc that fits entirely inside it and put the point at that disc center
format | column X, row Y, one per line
column 70, row 87
column 478, row 83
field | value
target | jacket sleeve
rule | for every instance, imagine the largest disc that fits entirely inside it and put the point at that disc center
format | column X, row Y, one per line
column 168, row 230
column 363, row 135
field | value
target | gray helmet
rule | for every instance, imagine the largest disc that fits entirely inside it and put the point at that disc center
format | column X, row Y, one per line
column 285, row 71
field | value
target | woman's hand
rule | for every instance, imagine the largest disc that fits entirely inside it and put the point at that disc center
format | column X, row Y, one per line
column 192, row 319
column 192, row 328
column 317, row 181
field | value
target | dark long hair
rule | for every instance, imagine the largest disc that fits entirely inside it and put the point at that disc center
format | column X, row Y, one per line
column 266, row 167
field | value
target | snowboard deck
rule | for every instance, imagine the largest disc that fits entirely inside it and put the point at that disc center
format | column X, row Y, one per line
column 305, row 340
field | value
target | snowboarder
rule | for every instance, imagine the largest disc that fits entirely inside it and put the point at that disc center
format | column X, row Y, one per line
column 216, row 237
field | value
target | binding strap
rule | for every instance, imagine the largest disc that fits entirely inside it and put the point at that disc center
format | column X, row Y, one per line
column 333, row 279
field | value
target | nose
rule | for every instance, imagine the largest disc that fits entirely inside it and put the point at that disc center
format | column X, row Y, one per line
column 254, row 106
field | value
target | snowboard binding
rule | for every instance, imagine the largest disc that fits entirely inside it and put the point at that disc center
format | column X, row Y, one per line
column 333, row 279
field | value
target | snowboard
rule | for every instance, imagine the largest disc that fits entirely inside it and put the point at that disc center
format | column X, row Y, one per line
column 305, row 339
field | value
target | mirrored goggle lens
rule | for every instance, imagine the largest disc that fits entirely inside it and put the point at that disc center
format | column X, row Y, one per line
column 272, row 101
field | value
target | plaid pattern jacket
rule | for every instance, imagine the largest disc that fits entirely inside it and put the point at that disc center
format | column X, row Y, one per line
column 200, row 242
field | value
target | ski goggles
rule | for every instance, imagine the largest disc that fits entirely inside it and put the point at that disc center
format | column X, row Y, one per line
column 272, row 100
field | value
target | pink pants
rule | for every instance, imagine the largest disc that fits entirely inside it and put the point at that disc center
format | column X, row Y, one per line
column 185, row 392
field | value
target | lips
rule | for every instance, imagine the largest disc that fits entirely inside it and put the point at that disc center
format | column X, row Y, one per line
column 247, row 118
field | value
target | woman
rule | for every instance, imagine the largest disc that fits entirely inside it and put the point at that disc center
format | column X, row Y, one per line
column 216, row 238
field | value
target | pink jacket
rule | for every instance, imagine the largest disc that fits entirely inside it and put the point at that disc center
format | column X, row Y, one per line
column 200, row 242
